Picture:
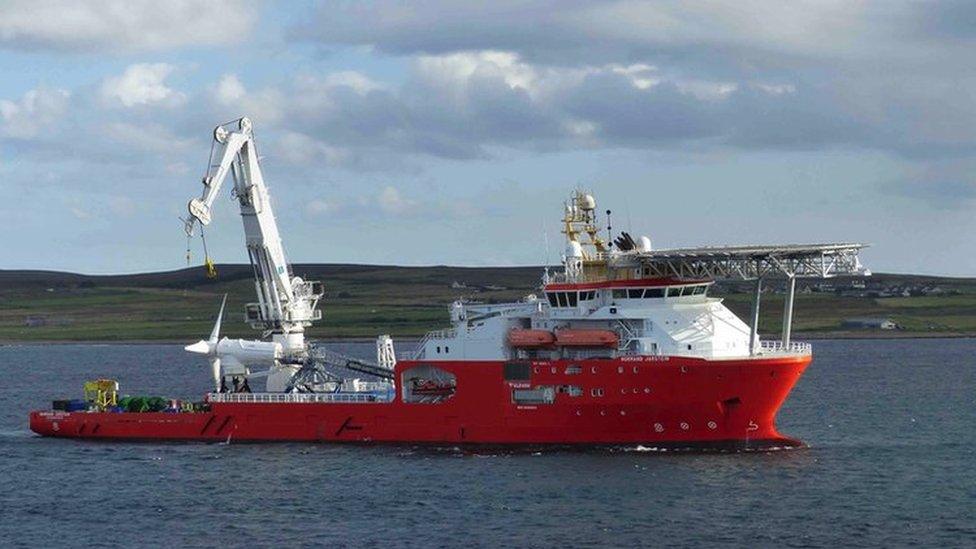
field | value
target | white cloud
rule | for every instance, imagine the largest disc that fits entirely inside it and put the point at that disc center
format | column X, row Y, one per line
column 142, row 84
column 151, row 138
column 458, row 71
column 301, row 149
column 392, row 202
column 711, row 91
column 641, row 75
column 352, row 79
column 885, row 75
column 229, row 98
column 776, row 89
column 319, row 207
column 123, row 25
column 36, row 110
column 229, row 89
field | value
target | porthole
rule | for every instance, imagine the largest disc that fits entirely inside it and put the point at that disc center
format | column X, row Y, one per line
column 658, row 428
column 593, row 370
column 620, row 369
column 685, row 426
column 553, row 369
column 438, row 349
column 635, row 369
column 647, row 390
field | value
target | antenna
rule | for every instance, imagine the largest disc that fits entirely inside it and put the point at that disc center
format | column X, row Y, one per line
column 545, row 261
column 609, row 230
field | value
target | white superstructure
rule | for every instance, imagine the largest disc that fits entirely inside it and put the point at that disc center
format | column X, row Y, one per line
column 631, row 300
column 656, row 320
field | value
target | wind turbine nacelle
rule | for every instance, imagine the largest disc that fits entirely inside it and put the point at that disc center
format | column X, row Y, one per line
column 248, row 352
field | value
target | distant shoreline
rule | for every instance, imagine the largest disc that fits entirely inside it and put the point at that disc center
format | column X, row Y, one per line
column 811, row 336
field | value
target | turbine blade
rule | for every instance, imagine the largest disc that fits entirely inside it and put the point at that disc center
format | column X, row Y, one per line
column 215, row 366
column 215, row 334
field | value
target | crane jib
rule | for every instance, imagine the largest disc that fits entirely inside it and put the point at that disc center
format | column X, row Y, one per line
column 286, row 304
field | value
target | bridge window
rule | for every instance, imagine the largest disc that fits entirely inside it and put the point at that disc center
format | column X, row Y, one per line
column 675, row 292
column 638, row 293
column 568, row 299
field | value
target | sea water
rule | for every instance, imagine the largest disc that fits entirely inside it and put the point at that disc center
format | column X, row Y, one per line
column 890, row 427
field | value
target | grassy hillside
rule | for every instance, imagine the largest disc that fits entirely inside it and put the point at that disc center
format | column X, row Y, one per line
column 360, row 301
column 363, row 301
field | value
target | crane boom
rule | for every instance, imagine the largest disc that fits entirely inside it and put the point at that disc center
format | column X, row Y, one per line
column 286, row 303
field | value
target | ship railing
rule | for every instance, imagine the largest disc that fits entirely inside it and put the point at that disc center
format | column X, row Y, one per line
column 303, row 398
column 777, row 347
column 563, row 278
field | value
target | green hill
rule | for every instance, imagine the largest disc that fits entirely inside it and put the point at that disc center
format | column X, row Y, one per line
column 365, row 300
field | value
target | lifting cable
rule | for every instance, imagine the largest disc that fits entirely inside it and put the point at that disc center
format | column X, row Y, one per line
column 208, row 263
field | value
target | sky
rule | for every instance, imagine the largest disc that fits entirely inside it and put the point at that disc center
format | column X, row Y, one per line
column 434, row 132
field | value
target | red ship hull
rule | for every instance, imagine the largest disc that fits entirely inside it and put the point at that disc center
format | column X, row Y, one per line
column 659, row 401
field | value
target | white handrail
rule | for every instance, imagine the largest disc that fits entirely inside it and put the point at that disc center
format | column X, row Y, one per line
column 776, row 347
column 304, row 398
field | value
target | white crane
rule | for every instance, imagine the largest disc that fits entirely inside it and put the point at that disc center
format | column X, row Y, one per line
column 286, row 304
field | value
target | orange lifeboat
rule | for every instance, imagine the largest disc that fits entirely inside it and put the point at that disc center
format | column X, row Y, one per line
column 530, row 338
column 586, row 338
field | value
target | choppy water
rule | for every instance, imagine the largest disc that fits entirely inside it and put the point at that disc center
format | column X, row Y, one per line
column 891, row 462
